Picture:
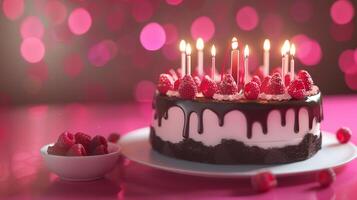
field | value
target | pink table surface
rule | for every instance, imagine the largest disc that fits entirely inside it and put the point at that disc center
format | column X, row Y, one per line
column 23, row 130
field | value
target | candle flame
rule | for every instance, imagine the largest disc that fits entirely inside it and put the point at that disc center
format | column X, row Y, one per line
column 246, row 51
column 199, row 44
column 292, row 50
column 266, row 45
column 234, row 43
column 286, row 46
column 182, row 46
column 188, row 49
column 213, row 50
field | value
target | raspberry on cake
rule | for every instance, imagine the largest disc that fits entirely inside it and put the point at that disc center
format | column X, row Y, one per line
column 268, row 119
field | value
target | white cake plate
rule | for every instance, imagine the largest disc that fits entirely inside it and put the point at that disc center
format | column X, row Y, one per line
column 136, row 147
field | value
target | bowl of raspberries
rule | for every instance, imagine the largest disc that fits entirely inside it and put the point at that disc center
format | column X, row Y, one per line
column 80, row 157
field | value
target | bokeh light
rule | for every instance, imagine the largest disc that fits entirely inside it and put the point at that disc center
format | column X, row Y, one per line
column 144, row 90
column 272, row 25
column 342, row 11
column 351, row 81
column 79, row 21
column 32, row 50
column 171, row 33
column 203, row 27
column 13, row 9
column 347, row 61
column 309, row 51
column 73, row 65
column 247, row 18
column 32, row 27
column 142, row 10
column 174, row 2
column 342, row 33
column 301, row 10
column 55, row 11
column 100, row 54
column 38, row 71
column 152, row 36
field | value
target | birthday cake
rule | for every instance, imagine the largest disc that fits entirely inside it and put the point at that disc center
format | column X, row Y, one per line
column 269, row 119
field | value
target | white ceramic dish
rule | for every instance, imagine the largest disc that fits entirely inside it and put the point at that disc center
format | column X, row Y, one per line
column 136, row 147
column 81, row 168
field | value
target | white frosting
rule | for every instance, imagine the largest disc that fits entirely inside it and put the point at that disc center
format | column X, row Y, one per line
column 172, row 93
column 235, row 127
column 276, row 97
column 232, row 97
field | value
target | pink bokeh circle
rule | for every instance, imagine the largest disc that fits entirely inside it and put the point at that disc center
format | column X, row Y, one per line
column 73, row 65
column 347, row 63
column 99, row 54
column 152, row 36
column 32, row 49
column 79, row 21
column 142, row 10
column 13, row 9
column 144, row 90
column 55, row 11
column 174, row 2
column 32, row 27
column 342, row 11
column 351, row 81
column 301, row 10
column 202, row 27
column 309, row 51
column 247, row 18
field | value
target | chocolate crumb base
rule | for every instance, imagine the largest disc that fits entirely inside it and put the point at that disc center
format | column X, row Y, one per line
column 234, row 152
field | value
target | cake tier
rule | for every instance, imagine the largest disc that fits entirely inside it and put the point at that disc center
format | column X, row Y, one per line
column 246, row 131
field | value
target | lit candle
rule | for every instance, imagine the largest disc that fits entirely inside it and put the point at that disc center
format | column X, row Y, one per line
column 183, row 57
column 213, row 53
column 235, row 60
column 188, row 53
column 246, row 55
column 200, row 46
column 266, row 47
column 287, row 49
column 292, row 62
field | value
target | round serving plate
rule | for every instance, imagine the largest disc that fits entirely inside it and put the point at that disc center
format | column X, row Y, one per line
column 136, row 147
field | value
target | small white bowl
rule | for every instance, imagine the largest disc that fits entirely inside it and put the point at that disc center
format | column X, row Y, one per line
column 82, row 168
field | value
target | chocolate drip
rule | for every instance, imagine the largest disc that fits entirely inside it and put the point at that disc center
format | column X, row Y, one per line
column 254, row 111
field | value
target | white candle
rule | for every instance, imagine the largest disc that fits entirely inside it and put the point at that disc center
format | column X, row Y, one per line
column 188, row 53
column 292, row 62
column 213, row 71
column 282, row 61
column 200, row 46
column 235, row 59
column 266, row 47
column 183, row 57
column 287, row 49
column 246, row 55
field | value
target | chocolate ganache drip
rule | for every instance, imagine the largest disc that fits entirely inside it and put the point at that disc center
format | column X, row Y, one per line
column 254, row 111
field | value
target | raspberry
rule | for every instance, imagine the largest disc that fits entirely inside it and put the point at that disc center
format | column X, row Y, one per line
column 76, row 150
column 257, row 80
column 287, row 80
column 165, row 83
column 326, row 177
column 177, row 84
column 198, row 83
column 297, row 89
column 96, row 141
column 114, row 137
column 260, row 73
column 66, row 140
column 208, row 87
column 276, row 85
column 251, row 90
column 265, row 84
column 100, row 150
column 56, row 150
column 188, row 88
column 227, row 86
column 83, row 139
column 344, row 135
column 263, row 181
column 306, row 78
